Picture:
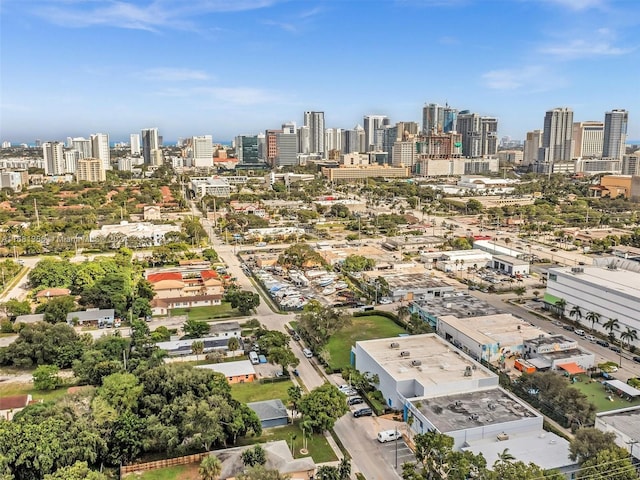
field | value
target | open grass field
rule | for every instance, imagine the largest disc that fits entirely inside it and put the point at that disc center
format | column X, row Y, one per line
column 212, row 312
column 10, row 389
column 182, row 472
column 256, row 391
column 598, row 396
column 362, row 328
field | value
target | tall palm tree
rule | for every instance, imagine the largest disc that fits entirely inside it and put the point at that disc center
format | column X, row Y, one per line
column 233, row 344
column 593, row 318
column 576, row 312
column 629, row 336
column 505, row 457
column 210, row 468
column 559, row 306
column 611, row 325
column 197, row 347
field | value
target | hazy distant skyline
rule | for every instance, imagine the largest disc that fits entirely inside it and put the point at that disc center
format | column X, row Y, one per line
column 225, row 68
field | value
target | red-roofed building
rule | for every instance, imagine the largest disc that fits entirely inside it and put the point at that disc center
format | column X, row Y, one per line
column 208, row 274
column 158, row 277
column 9, row 406
column 177, row 284
column 44, row 295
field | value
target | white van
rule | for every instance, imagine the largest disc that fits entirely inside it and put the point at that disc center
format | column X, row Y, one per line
column 579, row 331
column 389, row 436
column 253, row 356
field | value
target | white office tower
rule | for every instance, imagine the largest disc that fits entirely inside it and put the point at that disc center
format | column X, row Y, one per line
column 82, row 145
column 371, row 124
column 587, row 139
column 69, row 142
column 333, row 139
column 53, row 158
column 202, row 151
column 100, row 149
column 615, row 134
column 315, row 122
column 289, row 127
column 304, row 140
column 532, row 145
column 557, row 139
column 150, row 142
column 71, row 158
column 134, row 143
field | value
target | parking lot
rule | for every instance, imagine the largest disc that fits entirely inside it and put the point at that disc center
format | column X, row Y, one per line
column 399, row 448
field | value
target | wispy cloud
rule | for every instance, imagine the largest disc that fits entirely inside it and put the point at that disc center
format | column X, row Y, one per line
column 288, row 27
column 149, row 15
column 599, row 43
column 173, row 74
column 578, row 5
column 532, row 79
column 236, row 96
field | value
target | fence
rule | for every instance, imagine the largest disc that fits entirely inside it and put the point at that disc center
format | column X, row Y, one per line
column 167, row 462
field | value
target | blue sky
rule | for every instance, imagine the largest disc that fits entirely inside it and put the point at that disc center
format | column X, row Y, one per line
column 229, row 67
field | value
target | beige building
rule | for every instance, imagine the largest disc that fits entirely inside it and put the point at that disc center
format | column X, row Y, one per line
column 90, row 170
column 347, row 174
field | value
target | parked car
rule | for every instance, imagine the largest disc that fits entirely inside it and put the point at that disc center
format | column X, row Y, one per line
column 307, row 353
column 591, row 338
column 579, row 331
column 363, row 412
column 602, row 343
column 568, row 327
column 389, row 436
column 615, row 349
column 355, row 401
column 636, row 359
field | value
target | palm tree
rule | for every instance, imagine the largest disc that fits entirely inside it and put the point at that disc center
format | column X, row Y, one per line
column 559, row 307
column 520, row 291
column 210, row 468
column 629, row 336
column 233, row 345
column 505, row 457
column 611, row 325
column 197, row 347
column 593, row 318
column 576, row 312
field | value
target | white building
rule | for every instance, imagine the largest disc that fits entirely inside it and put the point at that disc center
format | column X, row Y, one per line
column 483, row 185
column 609, row 292
column 625, row 423
column 135, row 143
column 53, row 158
column 510, row 265
column 144, row 231
column 457, row 260
column 14, row 180
column 214, row 186
column 100, row 149
column 202, row 151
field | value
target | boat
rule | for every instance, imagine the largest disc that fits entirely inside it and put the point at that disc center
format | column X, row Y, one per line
column 341, row 285
column 329, row 291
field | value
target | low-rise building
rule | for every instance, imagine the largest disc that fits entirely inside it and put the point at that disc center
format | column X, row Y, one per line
column 557, row 352
column 458, row 304
column 625, row 424
column 144, row 232
column 456, row 260
column 95, row 317
column 272, row 413
column 241, row 371
column 163, row 306
column 510, row 265
column 48, row 293
column 348, row 174
column 9, row 406
column 210, row 186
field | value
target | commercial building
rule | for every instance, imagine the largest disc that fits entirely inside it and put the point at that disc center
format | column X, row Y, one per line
column 458, row 304
column 436, row 167
column 510, row 265
column 150, row 143
column 202, row 151
column 247, row 149
column 557, row 139
column 286, row 150
column 90, row 170
column 14, row 180
column 371, row 124
column 557, row 352
column 490, row 338
column 615, row 134
column 315, row 122
column 414, row 286
column 532, row 146
column 588, row 138
column 134, row 143
column 349, row 174
column 609, row 292
column 625, row 424
column 456, row 260
column 614, row 186
column 144, row 232
column 631, row 164
column 212, row 186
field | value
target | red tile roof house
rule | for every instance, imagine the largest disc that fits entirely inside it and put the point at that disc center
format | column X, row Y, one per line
column 9, row 406
column 44, row 295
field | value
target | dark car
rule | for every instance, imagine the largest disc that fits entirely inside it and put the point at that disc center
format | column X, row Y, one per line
column 568, row 327
column 355, row 401
column 363, row 412
column 636, row 359
column 613, row 348
column 603, row 343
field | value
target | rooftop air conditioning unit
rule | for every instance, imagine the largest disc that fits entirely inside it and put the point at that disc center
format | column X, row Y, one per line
column 405, row 353
column 467, row 371
column 416, row 363
column 502, row 437
column 474, row 416
column 395, row 345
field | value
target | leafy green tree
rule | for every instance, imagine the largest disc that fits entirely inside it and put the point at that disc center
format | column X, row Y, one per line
column 233, row 344
column 327, row 472
column 294, row 392
column 357, row 263
column 77, row 471
column 121, row 391
column 629, row 335
column 317, row 323
column 593, row 318
column 344, row 469
column 323, row 406
column 51, row 273
column 197, row 348
column 261, row 473
column 610, row 464
column 587, row 442
column 193, row 230
column 141, row 308
column 161, row 334
column 56, row 309
column 210, row 255
column 195, row 328
column 144, row 289
column 210, row 468
column 284, row 357
column 300, row 255
column 15, row 308
column 243, row 300
column 45, row 377
column 254, row 456
column 111, row 291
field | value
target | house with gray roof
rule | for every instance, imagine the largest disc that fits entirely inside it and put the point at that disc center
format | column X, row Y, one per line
column 94, row 316
column 272, row 413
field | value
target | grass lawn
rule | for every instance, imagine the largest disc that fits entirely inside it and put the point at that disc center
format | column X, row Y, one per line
column 362, row 328
column 211, row 312
column 317, row 445
column 256, row 391
column 10, row 389
column 598, row 396
column 182, row 472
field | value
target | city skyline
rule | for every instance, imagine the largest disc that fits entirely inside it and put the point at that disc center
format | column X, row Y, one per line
column 212, row 68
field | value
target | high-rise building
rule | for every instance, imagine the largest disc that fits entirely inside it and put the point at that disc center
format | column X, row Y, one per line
column 289, row 127
column 557, row 139
column 135, row 143
column 532, row 146
column 432, row 118
column 489, row 135
column 53, row 153
column 353, row 140
column 333, row 139
column 271, row 146
column 202, row 151
column 371, row 124
column 247, row 149
column 449, row 119
column 315, row 122
column 587, row 139
column 304, row 145
column 287, row 149
column 150, row 141
column 479, row 134
column 90, row 170
column 71, row 158
column 100, row 149
column 82, row 145
column 615, row 134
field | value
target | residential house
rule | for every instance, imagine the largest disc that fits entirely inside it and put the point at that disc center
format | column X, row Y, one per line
column 163, row 306
column 96, row 317
column 44, row 295
column 9, row 406
column 272, row 413
column 236, row 372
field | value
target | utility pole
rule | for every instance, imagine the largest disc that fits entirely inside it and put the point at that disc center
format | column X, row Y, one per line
column 35, row 206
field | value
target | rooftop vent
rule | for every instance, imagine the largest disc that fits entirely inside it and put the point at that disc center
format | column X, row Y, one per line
column 405, row 353
column 395, row 345
column 491, row 406
column 416, row 363
column 458, row 403
column 474, row 416
column 578, row 270
column 502, row 437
